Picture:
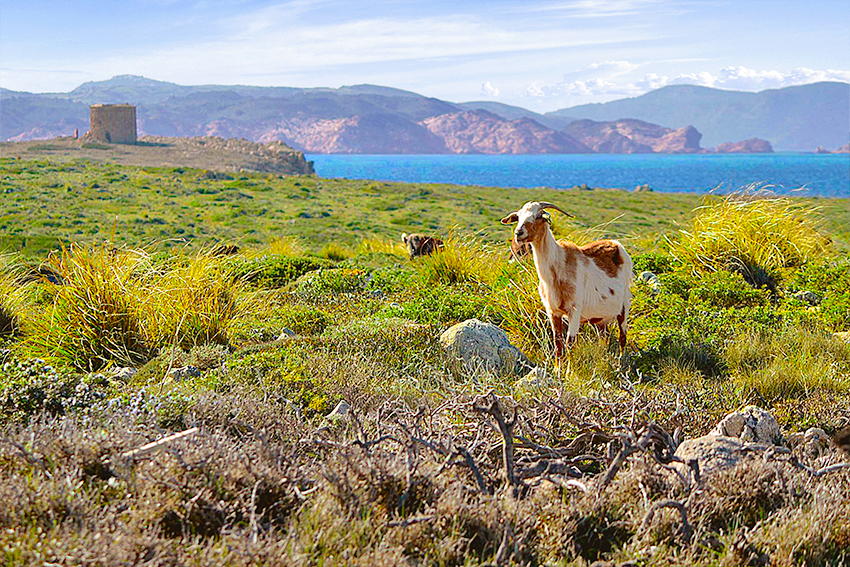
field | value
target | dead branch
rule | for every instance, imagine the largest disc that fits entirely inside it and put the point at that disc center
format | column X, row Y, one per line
column 647, row 519
column 463, row 452
column 253, row 521
column 410, row 521
column 506, row 427
column 818, row 472
column 502, row 552
column 544, row 467
column 156, row 445
column 653, row 437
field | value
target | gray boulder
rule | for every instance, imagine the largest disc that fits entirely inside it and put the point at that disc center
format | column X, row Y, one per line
column 712, row 452
column 751, row 425
column 125, row 374
column 477, row 346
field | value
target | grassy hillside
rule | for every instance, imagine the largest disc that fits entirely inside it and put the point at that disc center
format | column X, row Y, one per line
column 46, row 203
column 332, row 427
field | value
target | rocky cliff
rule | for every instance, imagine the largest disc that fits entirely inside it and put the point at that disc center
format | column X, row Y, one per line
column 370, row 134
column 751, row 146
column 482, row 132
column 634, row 137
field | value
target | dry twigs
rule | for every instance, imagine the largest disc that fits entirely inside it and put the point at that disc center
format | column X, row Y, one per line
column 647, row 519
column 506, row 427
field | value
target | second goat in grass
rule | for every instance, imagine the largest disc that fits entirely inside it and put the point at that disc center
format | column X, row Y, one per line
column 582, row 283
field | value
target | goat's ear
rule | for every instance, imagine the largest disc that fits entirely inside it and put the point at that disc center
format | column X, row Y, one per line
column 404, row 237
column 510, row 219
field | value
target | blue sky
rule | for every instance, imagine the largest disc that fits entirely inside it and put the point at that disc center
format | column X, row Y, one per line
column 539, row 54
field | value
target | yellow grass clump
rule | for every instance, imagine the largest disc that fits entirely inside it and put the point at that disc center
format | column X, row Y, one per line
column 112, row 306
column 190, row 304
column 94, row 316
column 751, row 230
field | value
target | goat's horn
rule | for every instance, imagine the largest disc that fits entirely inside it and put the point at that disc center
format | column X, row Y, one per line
column 546, row 205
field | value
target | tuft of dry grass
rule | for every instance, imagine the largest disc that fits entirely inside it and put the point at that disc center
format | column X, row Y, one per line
column 110, row 306
column 374, row 245
column 94, row 317
column 751, row 231
column 189, row 304
column 286, row 246
column 461, row 259
column 791, row 362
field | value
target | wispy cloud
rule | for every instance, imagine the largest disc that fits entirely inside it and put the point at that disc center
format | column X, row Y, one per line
column 601, row 8
column 611, row 79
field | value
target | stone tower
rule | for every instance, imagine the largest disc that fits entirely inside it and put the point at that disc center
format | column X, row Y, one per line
column 113, row 123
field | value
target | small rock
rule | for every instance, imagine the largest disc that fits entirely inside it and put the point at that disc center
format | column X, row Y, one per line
column 483, row 346
column 752, row 425
column 813, row 442
column 807, row 297
column 842, row 336
column 125, row 373
column 712, row 452
column 650, row 279
column 535, row 378
column 178, row 374
column 339, row 412
column 285, row 334
column 376, row 293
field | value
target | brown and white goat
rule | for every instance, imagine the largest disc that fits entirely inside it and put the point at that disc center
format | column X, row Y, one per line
column 582, row 283
column 420, row 244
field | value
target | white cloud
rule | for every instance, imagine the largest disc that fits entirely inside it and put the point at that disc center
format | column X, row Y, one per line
column 611, row 80
column 744, row 79
column 489, row 90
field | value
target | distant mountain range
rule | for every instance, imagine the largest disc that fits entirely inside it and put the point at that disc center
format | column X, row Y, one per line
column 375, row 119
column 793, row 118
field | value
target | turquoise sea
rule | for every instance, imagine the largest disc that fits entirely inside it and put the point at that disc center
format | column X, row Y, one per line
column 825, row 175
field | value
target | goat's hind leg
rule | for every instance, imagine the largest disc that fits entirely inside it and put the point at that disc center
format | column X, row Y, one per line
column 621, row 323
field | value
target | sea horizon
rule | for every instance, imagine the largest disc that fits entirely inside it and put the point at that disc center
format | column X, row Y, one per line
column 805, row 174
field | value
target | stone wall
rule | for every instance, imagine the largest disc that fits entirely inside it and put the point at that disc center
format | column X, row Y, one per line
column 113, row 123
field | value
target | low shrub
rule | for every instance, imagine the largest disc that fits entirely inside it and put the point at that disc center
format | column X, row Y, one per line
column 831, row 283
column 282, row 372
column 274, row 271
column 329, row 282
column 654, row 262
column 447, row 304
column 29, row 387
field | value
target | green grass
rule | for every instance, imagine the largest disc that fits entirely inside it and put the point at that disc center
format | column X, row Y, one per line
column 314, row 310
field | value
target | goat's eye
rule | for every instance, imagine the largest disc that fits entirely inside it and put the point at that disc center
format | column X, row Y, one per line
column 546, row 216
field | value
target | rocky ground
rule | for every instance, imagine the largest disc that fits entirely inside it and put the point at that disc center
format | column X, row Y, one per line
column 208, row 152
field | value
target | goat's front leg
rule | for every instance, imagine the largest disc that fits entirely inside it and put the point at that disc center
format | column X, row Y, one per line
column 557, row 335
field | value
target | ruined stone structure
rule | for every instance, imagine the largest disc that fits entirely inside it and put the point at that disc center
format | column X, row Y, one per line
column 112, row 123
